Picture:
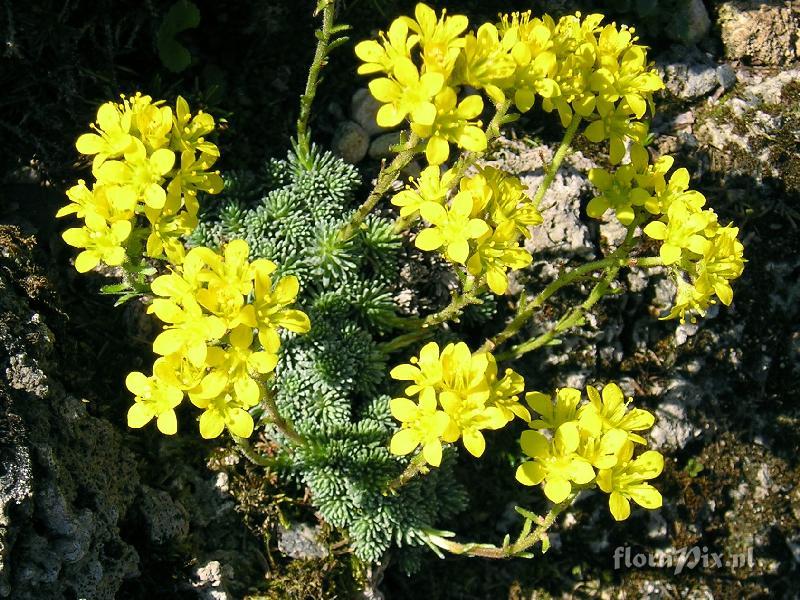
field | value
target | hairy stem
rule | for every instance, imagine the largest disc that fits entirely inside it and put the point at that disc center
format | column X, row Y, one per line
column 576, row 315
column 250, row 454
column 281, row 424
column 307, row 99
column 558, row 158
column 518, row 548
column 416, row 467
column 386, row 178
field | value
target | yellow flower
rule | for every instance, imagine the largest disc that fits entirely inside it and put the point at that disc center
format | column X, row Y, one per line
column 440, row 39
column 602, row 450
column 452, row 123
column 617, row 191
column 628, row 481
column 381, row 56
column 468, row 415
column 452, row 228
column 221, row 409
column 154, row 398
column 682, row 231
column 496, row 253
column 408, row 94
column 425, row 372
column 423, row 425
column 433, row 185
column 629, row 79
column 504, row 393
column 188, row 332
column 142, row 173
column 689, row 299
column 271, row 306
column 113, row 136
column 504, row 199
column 178, row 371
column 101, row 242
column 611, row 412
column 239, row 362
column 188, row 130
column 553, row 414
column 486, row 62
column 615, row 125
column 721, row 263
column 554, row 462
column 151, row 122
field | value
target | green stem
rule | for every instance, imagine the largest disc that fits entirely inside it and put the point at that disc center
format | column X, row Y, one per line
column 558, row 158
column 575, row 316
column 416, row 467
column 386, row 178
column 518, row 548
column 307, row 99
column 284, row 426
column 458, row 302
column 250, row 454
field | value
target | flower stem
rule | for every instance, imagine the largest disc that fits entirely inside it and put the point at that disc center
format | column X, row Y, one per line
column 558, row 158
column 519, row 548
column 417, row 466
column 281, row 424
column 250, row 454
column 386, row 178
column 307, row 98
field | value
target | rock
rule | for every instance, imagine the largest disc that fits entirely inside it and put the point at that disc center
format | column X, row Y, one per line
column 210, row 581
column 760, row 33
column 67, row 478
column 688, row 73
column 726, row 76
column 381, row 146
column 673, row 429
column 563, row 232
column 364, row 109
column 351, row 142
column 690, row 22
column 301, row 541
column 164, row 519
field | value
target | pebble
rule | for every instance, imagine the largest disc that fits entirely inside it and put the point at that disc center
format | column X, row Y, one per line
column 351, row 142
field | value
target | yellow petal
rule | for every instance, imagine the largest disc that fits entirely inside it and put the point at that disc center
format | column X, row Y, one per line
column 429, row 239
column 619, row 506
column 474, row 442
column 239, row 422
column 139, row 415
column 167, row 422
column 86, row 261
column 404, row 442
column 432, row 452
column 557, row 489
column 211, row 424
column 530, row 473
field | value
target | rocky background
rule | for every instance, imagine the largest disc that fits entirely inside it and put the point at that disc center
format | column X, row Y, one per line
column 90, row 509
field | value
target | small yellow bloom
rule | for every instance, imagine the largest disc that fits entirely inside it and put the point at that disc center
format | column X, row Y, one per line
column 101, row 242
column 154, row 398
column 452, row 228
column 423, row 424
column 433, row 185
column 628, row 481
column 452, row 123
column 408, row 94
column 611, row 412
column 554, row 462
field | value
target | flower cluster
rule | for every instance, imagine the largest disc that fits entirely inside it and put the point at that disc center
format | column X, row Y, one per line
column 575, row 65
column 481, row 226
column 703, row 256
column 149, row 163
column 221, row 315
column 590, row 443
column 459, row 395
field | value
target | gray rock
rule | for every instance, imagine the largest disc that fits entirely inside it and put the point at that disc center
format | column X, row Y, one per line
column 726, row 76
column 364, row 109
column 760, row 33
column 688, row 73
column 301, row 541
column 673, row 428
column 351, row 142
column 210, row 581
column 690, row 22
column 165, row 520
